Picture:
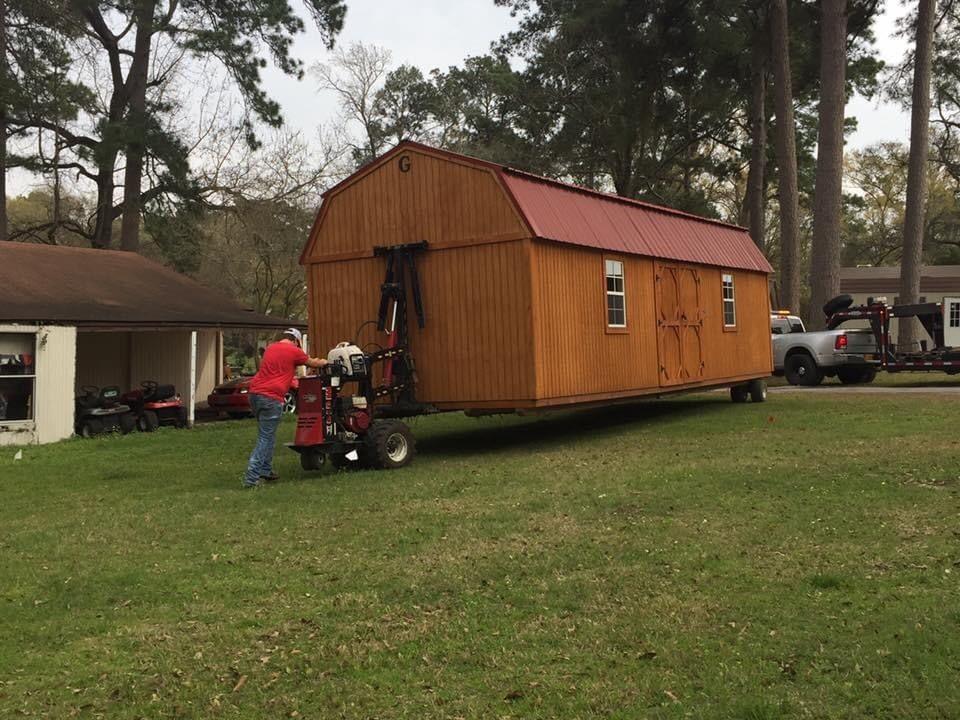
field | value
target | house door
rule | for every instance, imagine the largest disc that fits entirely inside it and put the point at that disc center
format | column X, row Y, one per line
column 680, row 314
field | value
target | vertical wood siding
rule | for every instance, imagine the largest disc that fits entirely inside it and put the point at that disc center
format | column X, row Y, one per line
column 437, row 200
column 56, row 367
column 476, row 346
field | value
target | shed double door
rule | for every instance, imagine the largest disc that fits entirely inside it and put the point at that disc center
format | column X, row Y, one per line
column 680, row 314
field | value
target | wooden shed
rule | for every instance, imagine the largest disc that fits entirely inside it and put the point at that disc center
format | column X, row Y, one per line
column 538, row 293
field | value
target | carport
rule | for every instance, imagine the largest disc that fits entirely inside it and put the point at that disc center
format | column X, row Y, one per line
column 72, row 316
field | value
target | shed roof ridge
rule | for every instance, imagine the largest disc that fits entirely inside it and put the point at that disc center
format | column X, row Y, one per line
column 600, row 194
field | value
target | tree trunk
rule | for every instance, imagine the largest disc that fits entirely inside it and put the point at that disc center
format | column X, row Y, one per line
column 103, row 227
column 911, row 265
column 4, row 228
column 786, row 148
column 136, row 126
column 828, row 191
column 756, row 176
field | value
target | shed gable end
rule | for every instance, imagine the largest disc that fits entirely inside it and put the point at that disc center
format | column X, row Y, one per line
column 411, row 196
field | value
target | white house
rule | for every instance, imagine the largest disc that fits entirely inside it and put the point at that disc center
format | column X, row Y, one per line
column 71, row 317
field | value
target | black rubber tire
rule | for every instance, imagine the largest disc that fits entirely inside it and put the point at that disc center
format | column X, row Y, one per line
column 181, row 418
column 869, row 375
column 311, row 460
column 801, row 369
column 128, row 423
column 850, row 375
column 739, row 393
column 840, row 302
column 238, row 415
column 340, row 462
column 148, row 422
column 91, row 427
column 389, row 445
column 290, row 403
column 757, row 390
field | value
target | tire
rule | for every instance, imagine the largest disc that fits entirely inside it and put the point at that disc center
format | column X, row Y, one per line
column 869, row 375
column 290, row 403
column 389, row 445
column 91, row 427
column 238, row 415
column 851, row 375
column 840, row 302
column 801, row 369
column 311, row 460
column 128, row 423
column 181, row 418
column 340, row 462
column 758, row 391
column 148, row 422
column 739, row 393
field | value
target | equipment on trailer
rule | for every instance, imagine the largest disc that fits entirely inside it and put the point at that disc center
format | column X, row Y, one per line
column 155, row 405
column 99, row 410
column 355, row 427
column 940, row 320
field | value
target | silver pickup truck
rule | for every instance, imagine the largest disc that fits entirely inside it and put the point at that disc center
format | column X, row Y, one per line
column 806, row 358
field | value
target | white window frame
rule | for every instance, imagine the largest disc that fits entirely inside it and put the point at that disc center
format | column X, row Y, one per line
column 30, row 421
column 727, row 282
column 610, row 267
column 954, row 314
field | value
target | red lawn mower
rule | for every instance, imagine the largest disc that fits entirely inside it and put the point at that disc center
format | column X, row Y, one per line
column 155, row 405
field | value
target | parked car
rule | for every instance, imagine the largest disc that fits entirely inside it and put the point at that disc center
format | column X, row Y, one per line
column 806, row 358
column 232, row 397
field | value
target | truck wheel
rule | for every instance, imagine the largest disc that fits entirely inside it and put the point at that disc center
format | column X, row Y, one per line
column 801, row 369
column 312, row 460
column 148, row 422
column 757, row 390
column 128, row 423
column 851, row 375
column 869, row 375
column 739, row 393
column 389, row 445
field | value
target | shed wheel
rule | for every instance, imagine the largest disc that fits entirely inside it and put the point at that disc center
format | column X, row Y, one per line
column 801, row 369
column 389, row 445
column 91, row 427
column 739, row 393
column 312, row 460
column 148, row 422
column 128, row 423
column 758, row 391
column 840, row 302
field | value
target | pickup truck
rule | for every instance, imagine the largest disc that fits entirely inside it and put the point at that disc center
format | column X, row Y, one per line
column 806, row 358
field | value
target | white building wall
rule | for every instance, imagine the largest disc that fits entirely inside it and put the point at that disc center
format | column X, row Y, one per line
column 53, row 406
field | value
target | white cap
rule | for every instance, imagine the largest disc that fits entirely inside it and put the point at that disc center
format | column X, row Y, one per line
column 295, row 334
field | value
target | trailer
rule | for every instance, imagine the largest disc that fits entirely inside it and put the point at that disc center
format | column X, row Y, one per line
column 940, row 320
column 529, row 294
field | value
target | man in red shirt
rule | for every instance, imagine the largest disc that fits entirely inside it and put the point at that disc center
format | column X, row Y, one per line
column 267, row 390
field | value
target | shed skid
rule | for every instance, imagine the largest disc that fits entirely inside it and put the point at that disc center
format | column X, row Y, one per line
column 536, row 294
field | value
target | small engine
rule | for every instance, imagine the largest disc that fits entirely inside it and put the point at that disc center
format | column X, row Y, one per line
column 350, row 358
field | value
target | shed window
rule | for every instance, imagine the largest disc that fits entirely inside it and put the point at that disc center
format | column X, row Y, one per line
column 955, row 314
column 17, row 376
column 616, row 300
column 729, row 302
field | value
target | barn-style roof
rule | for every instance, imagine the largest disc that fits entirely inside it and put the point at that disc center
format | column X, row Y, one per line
column 571, row 214
column 103, row 288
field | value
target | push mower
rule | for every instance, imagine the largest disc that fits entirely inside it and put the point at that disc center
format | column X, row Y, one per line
column 155, row 405
column 99, row 410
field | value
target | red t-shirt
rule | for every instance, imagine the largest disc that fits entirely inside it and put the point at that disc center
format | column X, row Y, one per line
column 275, row 376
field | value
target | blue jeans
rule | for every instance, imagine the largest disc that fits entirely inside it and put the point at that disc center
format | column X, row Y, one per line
column 268, row 412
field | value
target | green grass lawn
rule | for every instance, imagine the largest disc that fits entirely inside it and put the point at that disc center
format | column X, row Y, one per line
column 684, row 558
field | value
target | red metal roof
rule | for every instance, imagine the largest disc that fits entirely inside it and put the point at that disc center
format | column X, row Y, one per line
column 571, row 214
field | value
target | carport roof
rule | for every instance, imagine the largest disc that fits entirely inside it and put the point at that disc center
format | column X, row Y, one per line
column 108, row 288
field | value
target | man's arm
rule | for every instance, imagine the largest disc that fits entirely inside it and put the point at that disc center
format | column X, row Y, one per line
column 315, row 362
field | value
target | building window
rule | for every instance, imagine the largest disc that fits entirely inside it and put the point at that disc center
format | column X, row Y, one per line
column 17, row 376
column 729, row 302
column 616, row 299
column 955, row 314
